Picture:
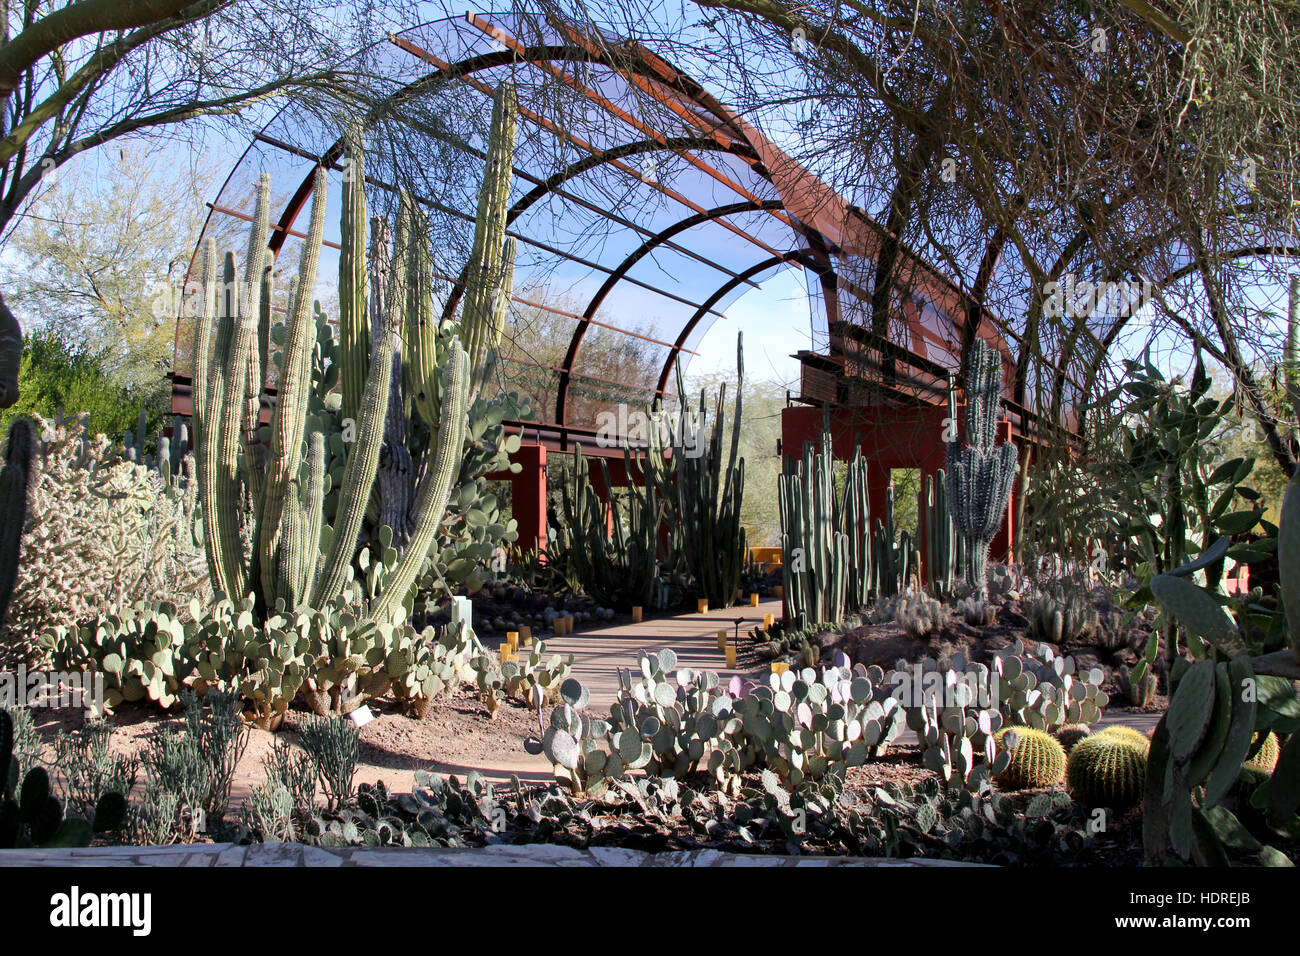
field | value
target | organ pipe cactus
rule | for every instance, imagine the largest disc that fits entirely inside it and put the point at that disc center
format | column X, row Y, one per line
column 284, row 567
column 979, row 475
column 15, row 481
column 709, row 494
column 829, row 554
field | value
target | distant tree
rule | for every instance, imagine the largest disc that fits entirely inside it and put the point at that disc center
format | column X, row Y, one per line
column 57, row 377
column 95, row 261
column 79, row 74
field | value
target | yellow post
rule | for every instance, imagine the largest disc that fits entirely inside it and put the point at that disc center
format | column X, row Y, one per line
column 636, row 615
column 722, row 640
column 702, row 606
column 526, row 635
column 731, row 655
column 753, row 599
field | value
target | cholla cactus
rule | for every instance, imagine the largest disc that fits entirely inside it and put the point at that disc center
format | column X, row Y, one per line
column 977, row 613
column 102, row 532
column 980, row 475
column 917, row 612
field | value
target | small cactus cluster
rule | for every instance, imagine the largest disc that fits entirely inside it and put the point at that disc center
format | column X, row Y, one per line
column 537, row 683
column 1108, row 769
column 1140, row 692
column 1037, row 759
column 977, row 612
column 915, row 611
column 32, row 816
column 1061, row 615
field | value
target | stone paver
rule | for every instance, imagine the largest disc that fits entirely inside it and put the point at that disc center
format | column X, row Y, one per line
column 599, row 652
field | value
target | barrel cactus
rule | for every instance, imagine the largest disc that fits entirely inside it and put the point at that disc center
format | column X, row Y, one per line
column 1130, row 734
column 1108, row 769
column 1037, row 759
column 1071, row 734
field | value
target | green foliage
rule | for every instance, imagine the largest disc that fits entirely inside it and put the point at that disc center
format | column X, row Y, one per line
column 335, row 746
column 89, row 768
column 295, row 770
column 1037, row 759
column 55, row 377
column 214, row 721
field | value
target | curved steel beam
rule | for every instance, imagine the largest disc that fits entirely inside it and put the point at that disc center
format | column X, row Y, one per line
column 803, row 256
column 690, row 222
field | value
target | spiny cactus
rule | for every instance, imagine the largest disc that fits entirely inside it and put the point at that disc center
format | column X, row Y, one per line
column 1130, row 734
column 1071, row 734
column 1107, row 770
column 981, row 474
column 1061, row 614
column 286, row 566
column 915, row 611
column 828, row 550
column 15, row 481
column 1265, row 759
column 977, row 613
column 1037, row 759
column 710, row 489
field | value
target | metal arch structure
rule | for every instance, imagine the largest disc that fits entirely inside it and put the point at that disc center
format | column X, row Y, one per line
column 816, row 226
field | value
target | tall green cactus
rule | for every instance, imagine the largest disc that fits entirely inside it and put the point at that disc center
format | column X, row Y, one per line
column 944, row 550
column 288, row 528
column 981, row 473
column 830, row 559
column 614, row 554
column 709, row 495
column 15, row 483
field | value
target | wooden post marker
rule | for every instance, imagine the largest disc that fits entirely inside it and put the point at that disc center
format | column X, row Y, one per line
column 636, row 615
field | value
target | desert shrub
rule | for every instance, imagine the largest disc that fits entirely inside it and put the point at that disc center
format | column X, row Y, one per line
column 102, row 533
column 54, row 377
column 89, row 768
column 335, row 745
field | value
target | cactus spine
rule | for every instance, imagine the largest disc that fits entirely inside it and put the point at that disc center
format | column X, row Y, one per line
column 980, row 474
column 15, row 483
column 1037, row 759
column 1107, row 770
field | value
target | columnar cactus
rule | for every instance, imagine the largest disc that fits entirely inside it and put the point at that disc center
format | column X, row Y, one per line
column 980, row 475
column 709, row 494
column 15, row 479
column 829, row 554
column 288, row 522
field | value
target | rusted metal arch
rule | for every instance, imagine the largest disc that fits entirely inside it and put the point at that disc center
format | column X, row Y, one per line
column 803, row 256
column 576, row 169
column 575, row 342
